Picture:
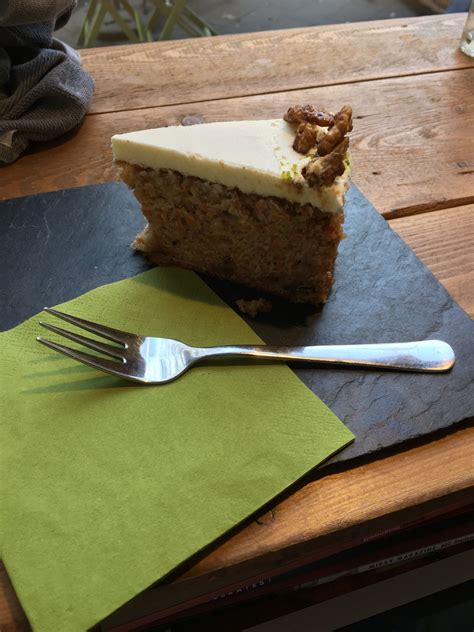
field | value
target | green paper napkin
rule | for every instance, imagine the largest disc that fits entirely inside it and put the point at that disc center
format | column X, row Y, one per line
column 107, row 486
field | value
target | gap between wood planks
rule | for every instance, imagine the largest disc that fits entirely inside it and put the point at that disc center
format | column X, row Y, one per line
column 417, row 209
column 287, row 91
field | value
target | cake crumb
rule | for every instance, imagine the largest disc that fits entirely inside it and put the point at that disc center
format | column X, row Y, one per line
column 253, row 307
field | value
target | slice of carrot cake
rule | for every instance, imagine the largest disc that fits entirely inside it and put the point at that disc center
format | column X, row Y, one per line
column 255, row 202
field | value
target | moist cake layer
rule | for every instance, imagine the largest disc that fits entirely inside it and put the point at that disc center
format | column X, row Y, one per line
column 268, row 243
column 257, row 157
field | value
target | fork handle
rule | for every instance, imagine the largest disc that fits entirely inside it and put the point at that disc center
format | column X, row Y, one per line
column 422, row 356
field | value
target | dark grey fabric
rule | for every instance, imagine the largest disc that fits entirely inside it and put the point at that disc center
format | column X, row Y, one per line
column 44, row 91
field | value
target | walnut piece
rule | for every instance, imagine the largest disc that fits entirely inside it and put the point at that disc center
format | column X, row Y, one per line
column 306, row 138
column 331, row 146
column 308, row 114
column 323, row 170
column 333, row 137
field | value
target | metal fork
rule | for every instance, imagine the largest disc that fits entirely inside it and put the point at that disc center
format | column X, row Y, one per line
column 159, row 360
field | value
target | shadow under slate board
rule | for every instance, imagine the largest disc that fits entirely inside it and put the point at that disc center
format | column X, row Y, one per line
column 55, row 246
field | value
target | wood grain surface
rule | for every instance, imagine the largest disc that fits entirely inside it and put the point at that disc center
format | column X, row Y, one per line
column 188, row 71
column 413, row 154
column 412, row 140
column 328, row 515
column 336, row 499
column 12, row 616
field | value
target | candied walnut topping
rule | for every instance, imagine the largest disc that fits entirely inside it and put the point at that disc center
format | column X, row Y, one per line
column 342, row 125
column 329, row 148
column 323, row 170
column 308, row 114
column 306, row 138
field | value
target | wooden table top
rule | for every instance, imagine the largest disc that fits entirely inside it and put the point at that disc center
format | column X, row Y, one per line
column 413, row 152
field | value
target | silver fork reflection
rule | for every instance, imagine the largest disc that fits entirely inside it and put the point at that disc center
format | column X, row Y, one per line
column 154, row 360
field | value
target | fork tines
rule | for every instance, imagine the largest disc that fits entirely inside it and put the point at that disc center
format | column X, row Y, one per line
column 122, row 338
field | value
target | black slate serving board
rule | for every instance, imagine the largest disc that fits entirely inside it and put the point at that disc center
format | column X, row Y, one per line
column 56, row 246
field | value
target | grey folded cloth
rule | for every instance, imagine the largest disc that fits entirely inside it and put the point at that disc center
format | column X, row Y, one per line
column 44, row 91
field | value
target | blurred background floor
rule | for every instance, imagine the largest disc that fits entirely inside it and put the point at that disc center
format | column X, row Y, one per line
column 246, row 16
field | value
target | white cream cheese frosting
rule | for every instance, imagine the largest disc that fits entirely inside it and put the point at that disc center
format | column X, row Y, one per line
column 253, row 156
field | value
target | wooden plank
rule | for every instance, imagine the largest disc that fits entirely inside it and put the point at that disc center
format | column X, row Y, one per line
column 329, row 515
column 353, row 497
column 444, row 241
column 12, row 616
column 184, row 71
column 438, row 162
column 412, row 141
